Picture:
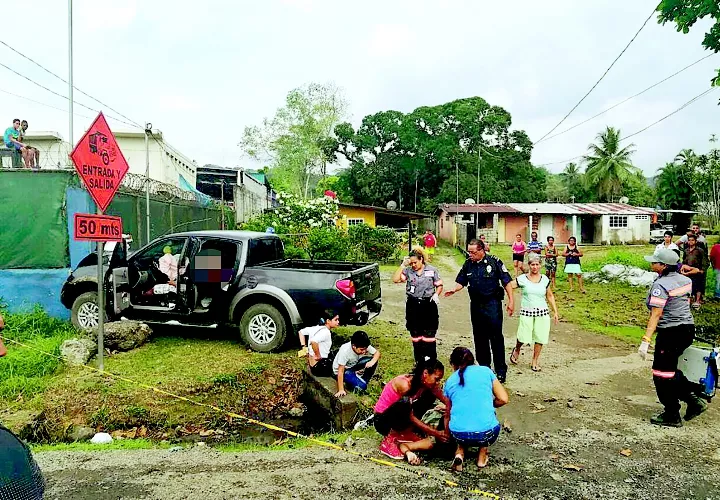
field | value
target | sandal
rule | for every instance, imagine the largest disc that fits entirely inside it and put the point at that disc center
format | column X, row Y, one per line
column 457, row 464
column 514, row 355
column 536, row 368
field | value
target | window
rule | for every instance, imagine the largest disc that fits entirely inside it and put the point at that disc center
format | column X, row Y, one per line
column 642, row 217
column 262, row 250
column 618, row 221
column 447, row 218
column 355, row 222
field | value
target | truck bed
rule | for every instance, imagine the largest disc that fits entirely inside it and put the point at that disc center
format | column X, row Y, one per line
column 318, row 266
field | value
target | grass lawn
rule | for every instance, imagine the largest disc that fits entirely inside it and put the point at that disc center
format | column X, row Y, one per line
column 209, row 370
column 615, row 308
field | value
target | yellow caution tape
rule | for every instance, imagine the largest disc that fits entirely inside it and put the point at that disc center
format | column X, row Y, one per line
column 319, row 442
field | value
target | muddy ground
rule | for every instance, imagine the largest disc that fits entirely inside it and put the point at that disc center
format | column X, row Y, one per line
column 569, row 424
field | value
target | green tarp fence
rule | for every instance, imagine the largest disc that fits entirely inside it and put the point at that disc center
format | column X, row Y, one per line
column 33, row 218
column 33, row 228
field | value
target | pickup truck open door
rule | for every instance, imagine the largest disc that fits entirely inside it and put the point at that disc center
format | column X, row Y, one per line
column 117, row 284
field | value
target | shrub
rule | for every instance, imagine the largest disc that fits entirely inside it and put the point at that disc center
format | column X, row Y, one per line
column 327, row 243
column 378, row 244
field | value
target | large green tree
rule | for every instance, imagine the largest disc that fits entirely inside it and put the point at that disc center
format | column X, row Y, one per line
column 413, row 158
column 609, row 164
column 685, row 13
column 674, row 187
column 298, row 141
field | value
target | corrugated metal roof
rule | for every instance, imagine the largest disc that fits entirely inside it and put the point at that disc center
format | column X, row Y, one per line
column 548, row 208
column 483, row 208
column 610, row 209
column 544, row 208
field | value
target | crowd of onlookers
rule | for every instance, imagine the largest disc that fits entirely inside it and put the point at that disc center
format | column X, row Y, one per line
column 14, row 139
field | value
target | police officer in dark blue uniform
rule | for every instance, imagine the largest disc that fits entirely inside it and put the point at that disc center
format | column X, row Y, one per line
column 485, row 276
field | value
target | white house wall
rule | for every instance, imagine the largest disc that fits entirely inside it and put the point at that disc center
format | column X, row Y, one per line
column 638, row 230
column 165, row 166
column 251, row 198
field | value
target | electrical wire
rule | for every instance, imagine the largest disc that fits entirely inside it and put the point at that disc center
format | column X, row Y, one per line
column 626, row 100
column 43, row 103
column 66, row 82
column 60, row 95
column 685, row 105
column 601, row 78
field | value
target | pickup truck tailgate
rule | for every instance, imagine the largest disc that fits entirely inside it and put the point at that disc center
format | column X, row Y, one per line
column 367, row 283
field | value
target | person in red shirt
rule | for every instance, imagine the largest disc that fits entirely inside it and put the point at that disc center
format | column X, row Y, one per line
column 715, row 263
column 429, row 242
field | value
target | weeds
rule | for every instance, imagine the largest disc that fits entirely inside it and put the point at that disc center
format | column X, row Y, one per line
column 25, row 372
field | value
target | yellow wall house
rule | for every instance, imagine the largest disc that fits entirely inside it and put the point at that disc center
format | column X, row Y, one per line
column 352, row 213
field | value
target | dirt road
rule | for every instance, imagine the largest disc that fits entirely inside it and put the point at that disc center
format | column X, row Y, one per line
column 569, row 423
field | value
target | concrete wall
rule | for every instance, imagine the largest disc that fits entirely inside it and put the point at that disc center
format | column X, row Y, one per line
column 166, row 163
column 638, row 230
column 23, row 289
column 562, row 226
column 515, row 224
column 251, row 197
column 446, row 227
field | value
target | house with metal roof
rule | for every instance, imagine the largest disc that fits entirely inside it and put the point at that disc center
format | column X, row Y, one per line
column 597, row 223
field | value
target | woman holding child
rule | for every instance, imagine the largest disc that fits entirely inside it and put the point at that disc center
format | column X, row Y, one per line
column 401, row 406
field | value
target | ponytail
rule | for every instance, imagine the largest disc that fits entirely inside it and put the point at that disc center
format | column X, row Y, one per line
column 427, row 364
column 460, row 359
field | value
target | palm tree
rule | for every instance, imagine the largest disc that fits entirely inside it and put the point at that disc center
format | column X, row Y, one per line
column 572, row 179
column 674, row 192
column 609, row 165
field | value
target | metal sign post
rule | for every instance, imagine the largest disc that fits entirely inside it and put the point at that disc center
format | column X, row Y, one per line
column 102, row 167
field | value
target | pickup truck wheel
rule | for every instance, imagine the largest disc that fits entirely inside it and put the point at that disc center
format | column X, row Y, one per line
column 263, row 328
column 84, row 314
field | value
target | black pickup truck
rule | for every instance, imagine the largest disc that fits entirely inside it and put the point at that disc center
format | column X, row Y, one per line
column 211, row 278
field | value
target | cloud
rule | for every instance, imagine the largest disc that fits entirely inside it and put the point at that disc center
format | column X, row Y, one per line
column 388, row 40
column 103, row 15
column 177, row 102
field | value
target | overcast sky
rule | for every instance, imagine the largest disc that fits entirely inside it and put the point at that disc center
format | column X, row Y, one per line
column 202, row 71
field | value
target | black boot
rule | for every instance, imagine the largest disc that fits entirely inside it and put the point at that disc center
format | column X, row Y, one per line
column 667, row 419
column 695, row 406
column 419, row 352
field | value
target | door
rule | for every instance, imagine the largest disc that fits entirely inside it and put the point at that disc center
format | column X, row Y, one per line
column 153, row 274
column 546, row 228
column 117, row 282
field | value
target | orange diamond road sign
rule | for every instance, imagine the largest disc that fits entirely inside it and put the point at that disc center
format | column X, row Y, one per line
column 99, row 162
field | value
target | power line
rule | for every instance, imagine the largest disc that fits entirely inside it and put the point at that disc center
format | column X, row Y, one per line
column 626, row 100
column 42, row 103
column 699, row 96
column 66, row 82
column 601, row 78
column 60, row 95
column 685, row 105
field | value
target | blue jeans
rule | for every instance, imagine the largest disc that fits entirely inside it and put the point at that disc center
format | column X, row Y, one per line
column 353, row 380
column 479, row 439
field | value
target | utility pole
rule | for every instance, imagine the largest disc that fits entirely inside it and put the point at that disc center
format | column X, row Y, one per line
column 70, row 75
column 148, row 131
column 222, row 203
column 477, row 197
